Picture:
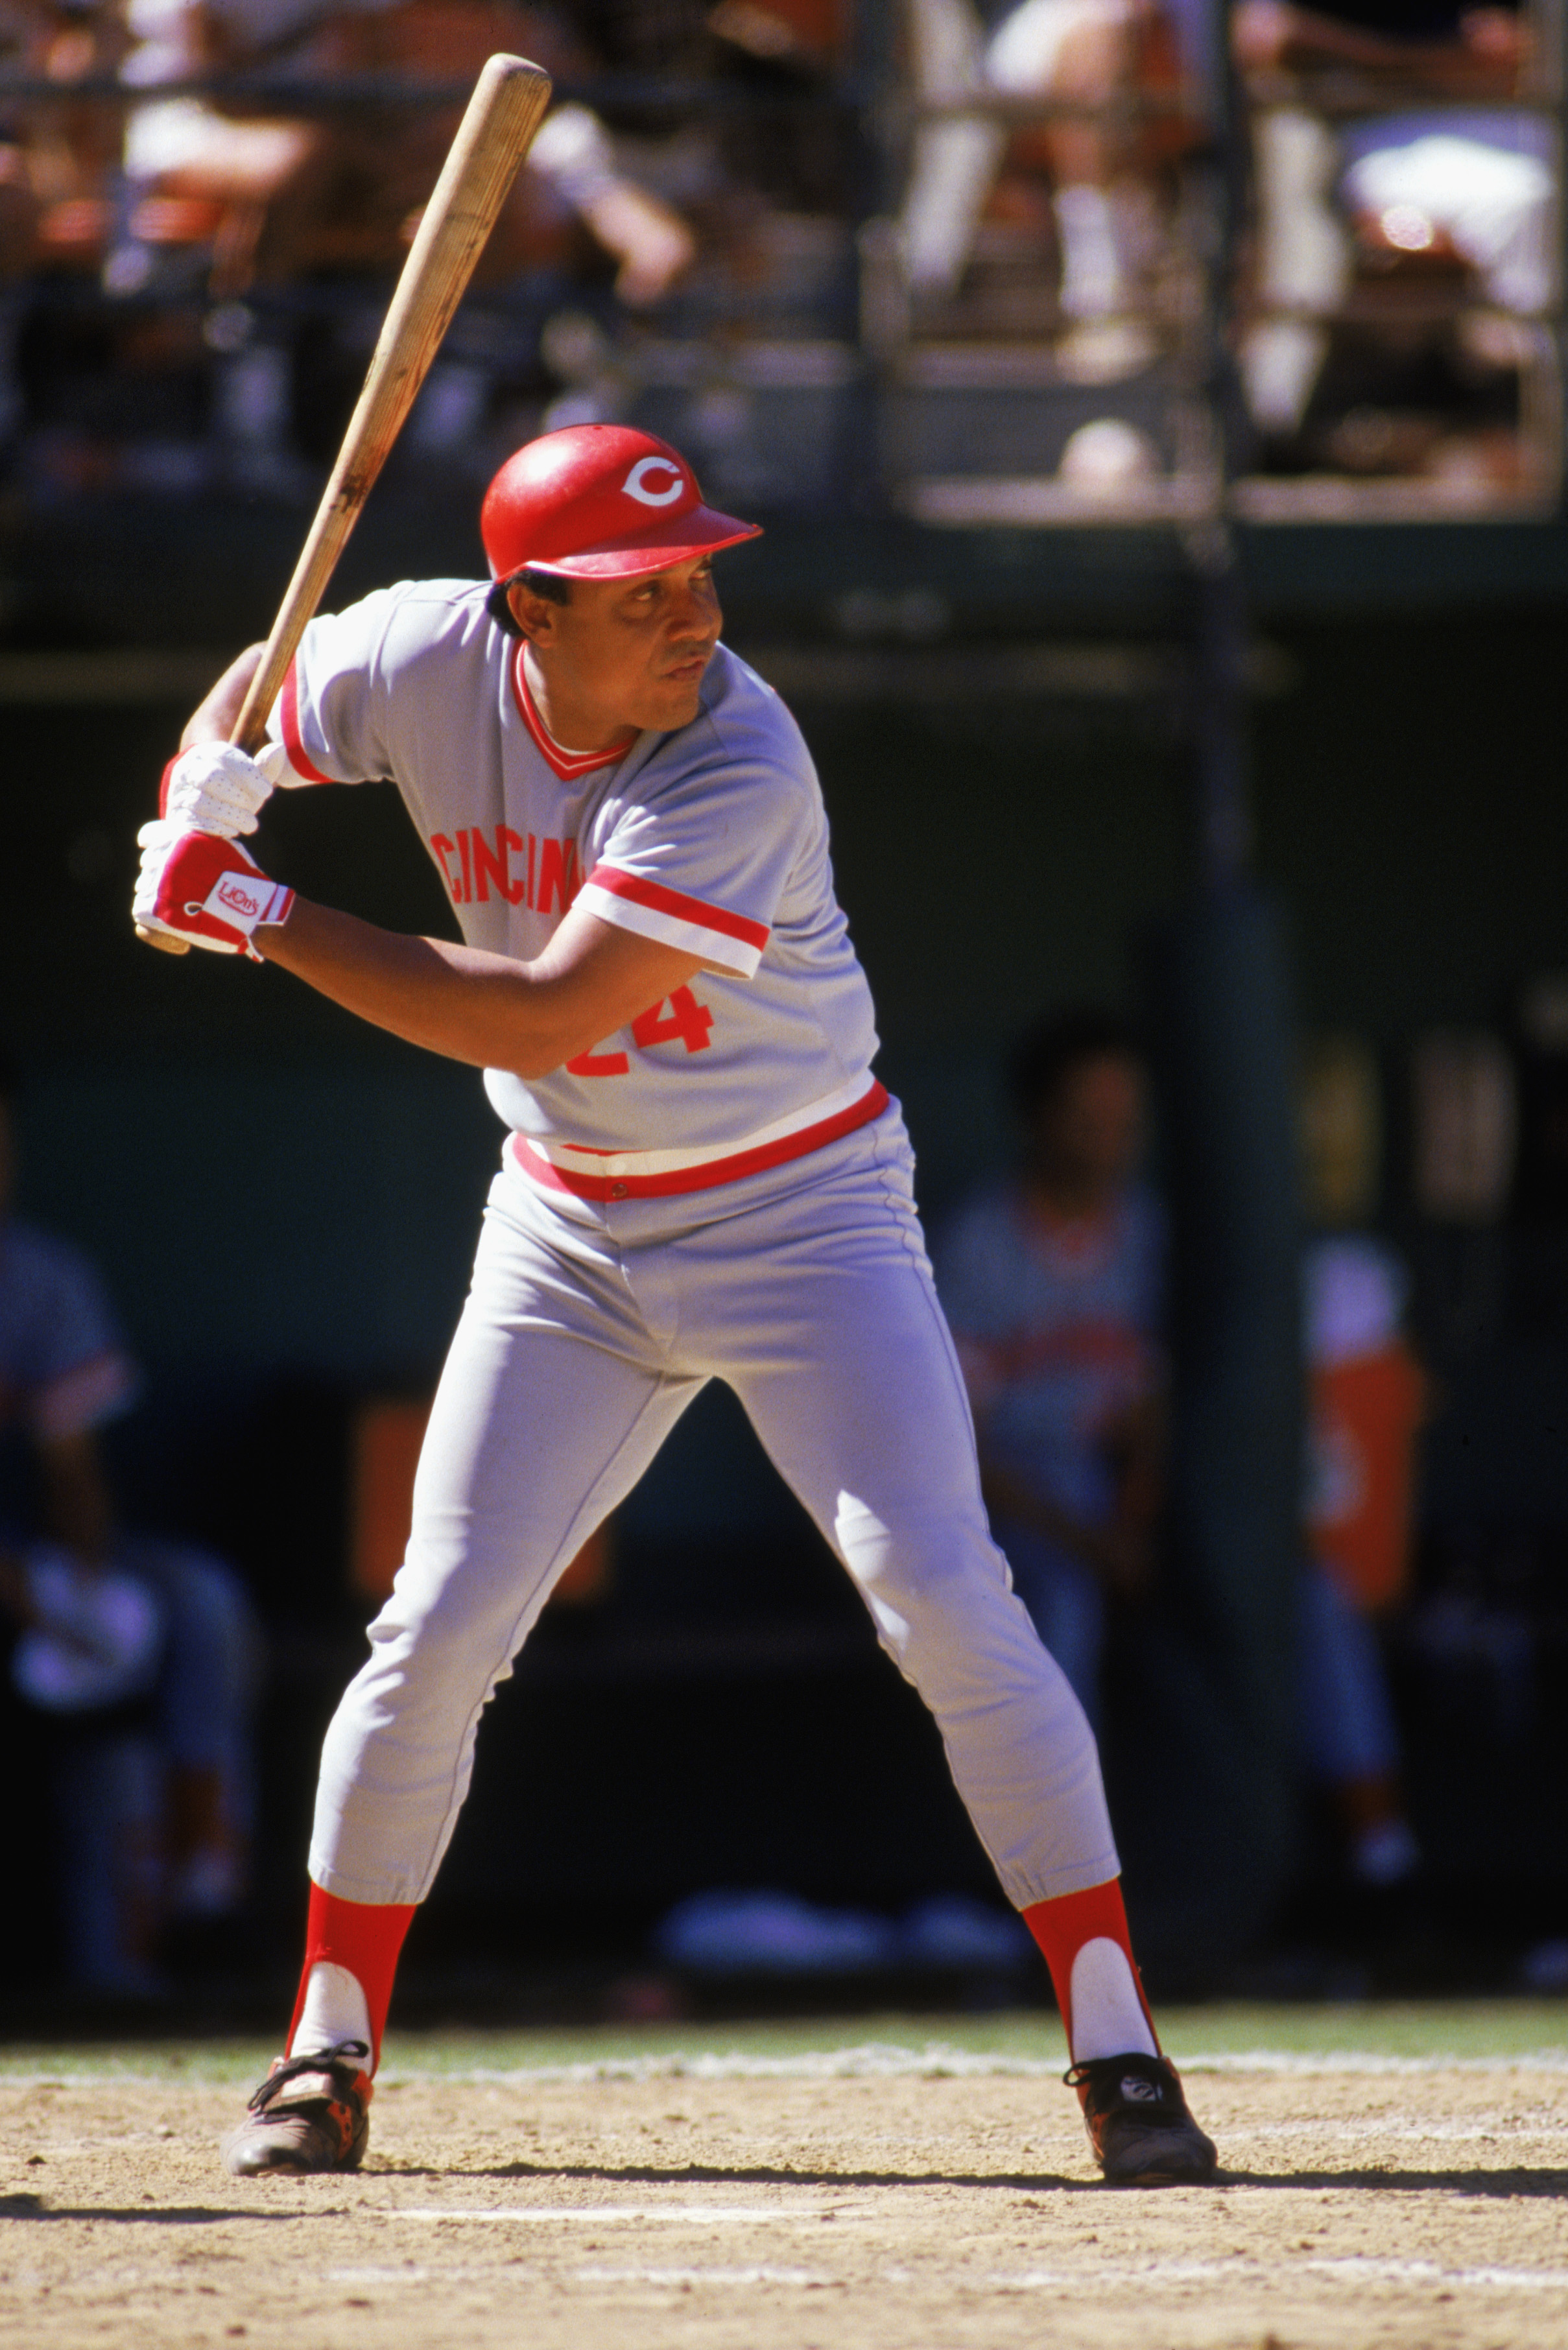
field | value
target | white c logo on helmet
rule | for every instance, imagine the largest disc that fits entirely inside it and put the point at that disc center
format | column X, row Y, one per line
column 635, row 482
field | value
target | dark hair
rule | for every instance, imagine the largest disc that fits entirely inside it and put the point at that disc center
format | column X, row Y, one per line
column 550, row 585
column 1048, row 1053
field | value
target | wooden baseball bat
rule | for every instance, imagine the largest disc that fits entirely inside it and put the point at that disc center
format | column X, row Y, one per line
column 496, row 133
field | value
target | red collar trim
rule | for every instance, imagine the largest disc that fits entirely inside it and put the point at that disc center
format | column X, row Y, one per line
column 567, row 764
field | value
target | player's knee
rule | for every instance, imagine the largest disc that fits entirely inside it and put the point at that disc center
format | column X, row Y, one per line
column 432, row 1638
column 933, row 1563
column 936, row 1587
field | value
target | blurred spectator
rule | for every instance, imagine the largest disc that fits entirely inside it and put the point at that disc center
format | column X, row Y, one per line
column 1472, row 189
column 190, row 206
column 1367, row 1401
column 1106, row 225
column 182, row 204
column 1051, row 1283
column 1343, row 212
column 57, row 155
column 283, row 196
column 138, row 1658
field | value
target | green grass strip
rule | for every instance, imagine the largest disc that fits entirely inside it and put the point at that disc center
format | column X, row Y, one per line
column 1465, row 2031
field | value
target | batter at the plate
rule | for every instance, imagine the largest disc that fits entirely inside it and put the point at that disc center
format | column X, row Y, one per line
column 703, row 1180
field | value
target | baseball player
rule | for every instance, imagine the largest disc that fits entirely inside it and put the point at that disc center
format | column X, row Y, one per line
column 703, row 1178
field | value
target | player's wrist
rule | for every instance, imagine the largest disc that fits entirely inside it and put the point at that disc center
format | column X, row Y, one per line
column 205, row 890
column 268, row 935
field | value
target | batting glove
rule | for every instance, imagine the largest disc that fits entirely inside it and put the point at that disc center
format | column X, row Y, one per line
column 213, row 787
column 205, row 891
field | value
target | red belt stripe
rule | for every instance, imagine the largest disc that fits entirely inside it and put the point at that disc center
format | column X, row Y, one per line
column 676, row 1181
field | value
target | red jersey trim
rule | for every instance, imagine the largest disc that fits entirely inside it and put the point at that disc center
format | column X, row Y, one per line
column 708, row 1173
column 567, row 764
column 300, row 758
column 681, row 909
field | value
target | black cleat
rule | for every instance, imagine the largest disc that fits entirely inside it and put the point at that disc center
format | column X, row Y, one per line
column 1138, row 2125
column 311, row 2113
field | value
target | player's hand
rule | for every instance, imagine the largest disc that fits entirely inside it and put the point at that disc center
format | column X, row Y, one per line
column 214, row 787
column 204, row 892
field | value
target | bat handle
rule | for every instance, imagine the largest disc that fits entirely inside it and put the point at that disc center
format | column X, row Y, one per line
column 161, row 941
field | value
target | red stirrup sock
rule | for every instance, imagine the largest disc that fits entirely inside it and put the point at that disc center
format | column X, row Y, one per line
column 364, row 1937
column 1087, row 1946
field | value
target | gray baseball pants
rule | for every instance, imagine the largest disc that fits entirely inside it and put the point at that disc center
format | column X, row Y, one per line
column 588, row 1329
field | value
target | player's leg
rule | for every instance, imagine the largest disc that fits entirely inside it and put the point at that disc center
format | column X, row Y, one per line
column 833, row 1339
column 552, row 1403
column 548, row 1410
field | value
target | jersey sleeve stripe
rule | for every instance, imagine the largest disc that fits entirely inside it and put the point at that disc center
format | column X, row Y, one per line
column 651, row 922
column 692, row 914
column 300, row 758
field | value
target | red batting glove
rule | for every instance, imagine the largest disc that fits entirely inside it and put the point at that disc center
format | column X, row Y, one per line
column 206, row 891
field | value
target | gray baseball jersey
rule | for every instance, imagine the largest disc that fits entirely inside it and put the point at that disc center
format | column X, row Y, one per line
column 712, row 838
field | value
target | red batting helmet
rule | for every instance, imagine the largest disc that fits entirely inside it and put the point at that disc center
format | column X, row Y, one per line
column 599, row 502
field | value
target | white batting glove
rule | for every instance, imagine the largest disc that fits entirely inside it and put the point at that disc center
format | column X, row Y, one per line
column 206, row 891
column 213, row 787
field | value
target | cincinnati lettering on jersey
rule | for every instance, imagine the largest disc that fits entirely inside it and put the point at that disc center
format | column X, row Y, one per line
column 547, row 875
column 544, row 875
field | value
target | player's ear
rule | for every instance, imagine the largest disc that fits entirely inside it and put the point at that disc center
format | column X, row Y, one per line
column 535, row 614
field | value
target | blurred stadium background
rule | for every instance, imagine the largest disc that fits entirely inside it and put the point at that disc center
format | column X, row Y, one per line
column 1191, row 643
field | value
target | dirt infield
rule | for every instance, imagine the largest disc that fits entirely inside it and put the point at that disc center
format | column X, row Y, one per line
column 869, row 2202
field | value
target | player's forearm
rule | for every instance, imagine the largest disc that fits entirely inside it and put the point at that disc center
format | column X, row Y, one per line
column 485, row 1009
column 216, row 719
column 494, row 1010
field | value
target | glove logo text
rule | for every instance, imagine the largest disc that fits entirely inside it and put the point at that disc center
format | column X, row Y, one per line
column 236, row 896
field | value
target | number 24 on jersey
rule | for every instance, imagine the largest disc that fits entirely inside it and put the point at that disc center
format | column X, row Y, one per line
column 687, row 1022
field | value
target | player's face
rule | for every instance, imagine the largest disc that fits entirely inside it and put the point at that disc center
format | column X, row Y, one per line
column 628, row 653
column 1091, row 1131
